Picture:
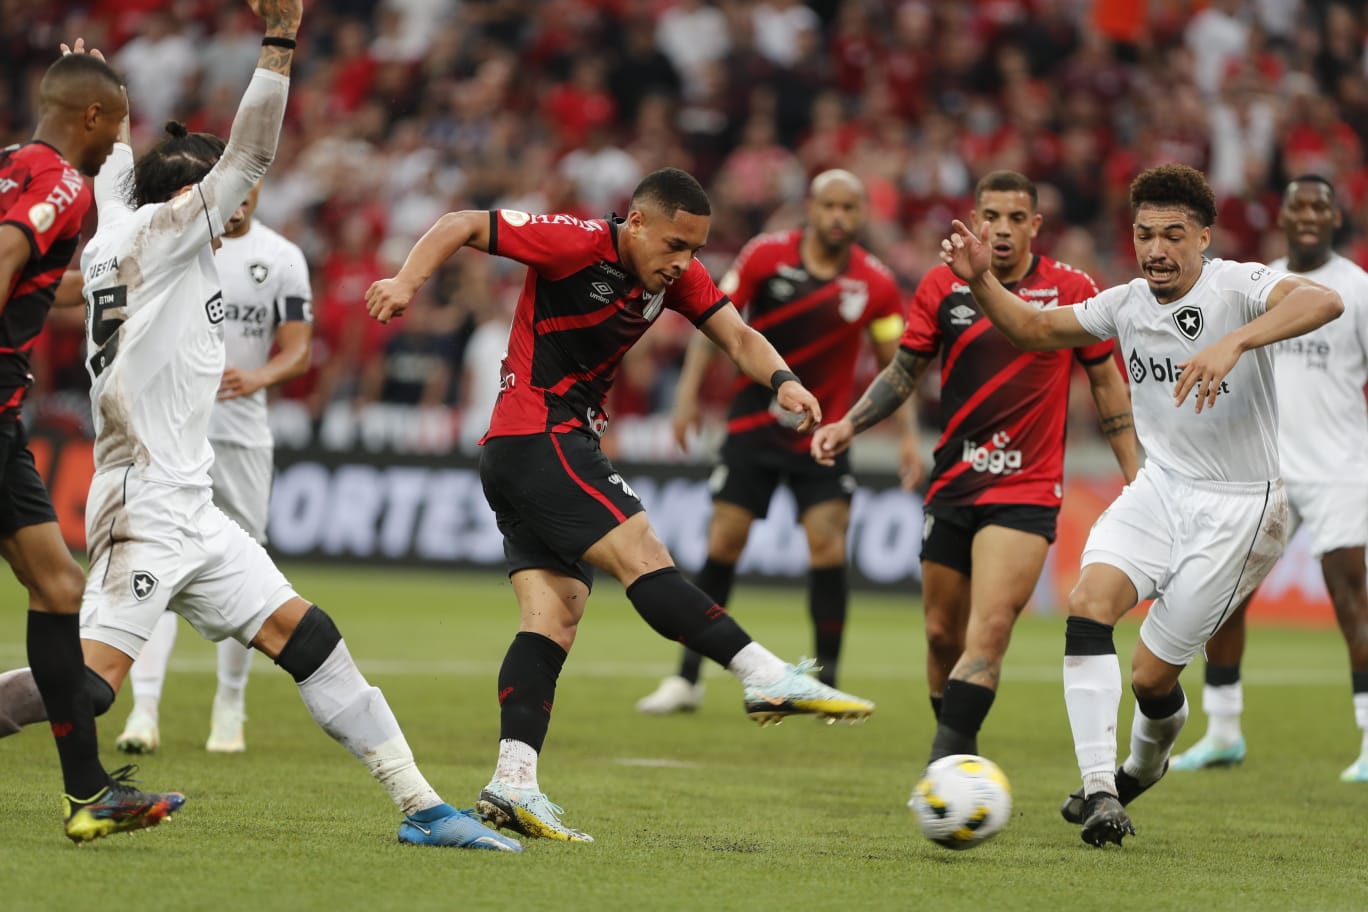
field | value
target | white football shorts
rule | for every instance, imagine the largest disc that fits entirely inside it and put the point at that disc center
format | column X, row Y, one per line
column 1336, row 515
column 242, row 485
column 1198, row 548
column 155, row 547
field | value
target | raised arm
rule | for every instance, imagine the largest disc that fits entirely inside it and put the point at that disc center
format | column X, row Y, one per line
column 1295, row 306
column 1026, row 327
column 757, row 359
column 389, row 298
column 1112, row 398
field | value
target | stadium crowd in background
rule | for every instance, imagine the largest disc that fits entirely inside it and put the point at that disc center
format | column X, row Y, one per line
column 405, row 109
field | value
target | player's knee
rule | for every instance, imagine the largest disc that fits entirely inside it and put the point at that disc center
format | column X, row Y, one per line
column 60, row 591
column 943, row 639
column 312, row 641
column 990, row 635
column 101, row 694
column 1086, row 602
column 1152, row 680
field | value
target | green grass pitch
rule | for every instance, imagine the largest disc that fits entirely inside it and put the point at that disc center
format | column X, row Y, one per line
column 705, row 811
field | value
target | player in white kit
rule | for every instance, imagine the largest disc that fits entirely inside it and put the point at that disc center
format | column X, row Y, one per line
column 1323, row 442
column 1206, row 518
column 156, row 540
column 267, row 303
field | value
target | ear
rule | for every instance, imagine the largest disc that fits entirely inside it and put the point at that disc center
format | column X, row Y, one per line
column 1036, row 221
column 1206, row 238
column 91, row 118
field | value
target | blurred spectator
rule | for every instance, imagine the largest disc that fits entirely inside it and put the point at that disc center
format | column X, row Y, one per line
column 157, row 66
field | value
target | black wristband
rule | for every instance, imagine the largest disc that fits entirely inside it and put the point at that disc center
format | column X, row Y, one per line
column 279, row 41
column 780, row 377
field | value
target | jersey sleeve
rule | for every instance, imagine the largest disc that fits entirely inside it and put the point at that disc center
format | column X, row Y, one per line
column 886, row 323
column 50, row 208
column 295, row 301
column 745, row 275
column 1255, row 282
column 695, row 295
column 923, row 333
column 183, row 226
column 555, row 246
column 1097, row 315
column 1081, row 289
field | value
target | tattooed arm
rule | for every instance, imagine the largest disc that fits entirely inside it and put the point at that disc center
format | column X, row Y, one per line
column 889, row 389
column 281, row 18
column 1114, row 406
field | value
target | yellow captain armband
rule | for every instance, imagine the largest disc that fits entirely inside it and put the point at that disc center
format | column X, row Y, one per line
column 887, row 329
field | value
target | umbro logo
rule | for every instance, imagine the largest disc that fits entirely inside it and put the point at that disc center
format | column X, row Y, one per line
column 601, row 292
column 603, row 288
column 144, row 584
column 1188, row 319
column 962, row 314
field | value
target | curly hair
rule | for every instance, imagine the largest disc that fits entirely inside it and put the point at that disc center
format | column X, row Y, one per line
column 1175, row 185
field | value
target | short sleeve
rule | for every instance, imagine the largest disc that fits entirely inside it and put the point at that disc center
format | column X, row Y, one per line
column 296, row 295
column 922, row 334
column 694, row 295
column 1097, row 315
column 1255, row 282
column 555, row 246
column 50, row 208
column 1082, row 289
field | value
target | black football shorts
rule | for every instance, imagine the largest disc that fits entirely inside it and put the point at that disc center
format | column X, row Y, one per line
column 748, row 476
column 24, row 501
column 948, row 531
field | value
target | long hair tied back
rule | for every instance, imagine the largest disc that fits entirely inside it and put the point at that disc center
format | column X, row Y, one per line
column 181, row 159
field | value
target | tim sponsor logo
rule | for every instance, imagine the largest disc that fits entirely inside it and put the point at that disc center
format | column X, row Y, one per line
column 995, row 458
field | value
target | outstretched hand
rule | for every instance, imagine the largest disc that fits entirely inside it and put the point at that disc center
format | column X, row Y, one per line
column 832, row 440
column 280, row 16
column 387, row 299
column 79, row 47
column 799, row 402
column 965, row 253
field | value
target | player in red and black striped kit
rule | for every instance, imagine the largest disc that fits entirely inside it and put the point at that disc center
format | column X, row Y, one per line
column 816, row 295
column 43, row 200
column 995, row 489
column 592, row 289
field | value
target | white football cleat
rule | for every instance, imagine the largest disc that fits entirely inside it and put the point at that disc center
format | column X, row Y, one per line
column 674, row 695
column 140, row 734
column 225, row 729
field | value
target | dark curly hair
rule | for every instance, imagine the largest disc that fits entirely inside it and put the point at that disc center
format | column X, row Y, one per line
column 1175, row 185
column 181, row 159
column 672, row 189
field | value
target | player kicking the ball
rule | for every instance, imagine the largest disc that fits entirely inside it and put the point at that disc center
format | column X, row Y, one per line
column 1206, row 518
column 157, row 541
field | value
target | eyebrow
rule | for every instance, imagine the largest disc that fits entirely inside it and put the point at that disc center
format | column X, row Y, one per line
column 672, row 241
column 1171, row 226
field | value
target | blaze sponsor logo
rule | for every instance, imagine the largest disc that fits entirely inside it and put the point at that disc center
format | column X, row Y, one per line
column 214, row 308
column 1142, row 368
column 995, row 458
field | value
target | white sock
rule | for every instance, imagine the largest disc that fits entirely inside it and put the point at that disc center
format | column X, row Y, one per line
column 148, row 674
column 357, row 717
column 1361, row 717
column 755, row 664
column 1092, row 695
column 1152, row 741
column 517, row 764
column 234, row 661
column 20, row 702
column 1223, row 705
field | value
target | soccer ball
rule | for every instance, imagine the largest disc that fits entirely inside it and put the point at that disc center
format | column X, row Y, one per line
column 962, row 801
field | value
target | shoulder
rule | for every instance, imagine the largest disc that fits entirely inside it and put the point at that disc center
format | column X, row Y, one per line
column 768, row 249
column 940, row 282
column 281, row 247
column 1072, row 281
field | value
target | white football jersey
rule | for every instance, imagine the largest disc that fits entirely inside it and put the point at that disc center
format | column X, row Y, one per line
column 1323, row 423
column 1234, row 440
column 154, row 309
column 265, row 283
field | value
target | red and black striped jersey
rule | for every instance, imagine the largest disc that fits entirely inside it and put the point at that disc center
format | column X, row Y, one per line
column 578, row 314
column 46, row 199
column 816, row 324
column 1003, row 410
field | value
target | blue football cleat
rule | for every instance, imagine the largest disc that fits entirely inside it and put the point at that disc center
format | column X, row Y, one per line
column 1357, row 771
column 526, row 811
column 797, row 692
column 1208, row 753
column 443, row 825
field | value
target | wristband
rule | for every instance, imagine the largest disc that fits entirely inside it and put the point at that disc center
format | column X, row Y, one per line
column 780, row 377
column 279, row 41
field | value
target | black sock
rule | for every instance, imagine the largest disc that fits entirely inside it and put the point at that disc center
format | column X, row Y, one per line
column 828, row 595
column 715, row 579
column 1221, row 675
column 527, row 687
column 1086, row 637
column 964, row 706
column 936, row 702
column 678, row 610
column 54, row 654
column 1160, row 707
column 1359, row 681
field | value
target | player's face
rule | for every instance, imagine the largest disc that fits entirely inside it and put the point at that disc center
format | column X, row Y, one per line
column 242, row 218
column 1168, row 246
column 660, row 249
column 1012, row 223
column 102, row 121
column 836, row 213
column 1309, row 218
